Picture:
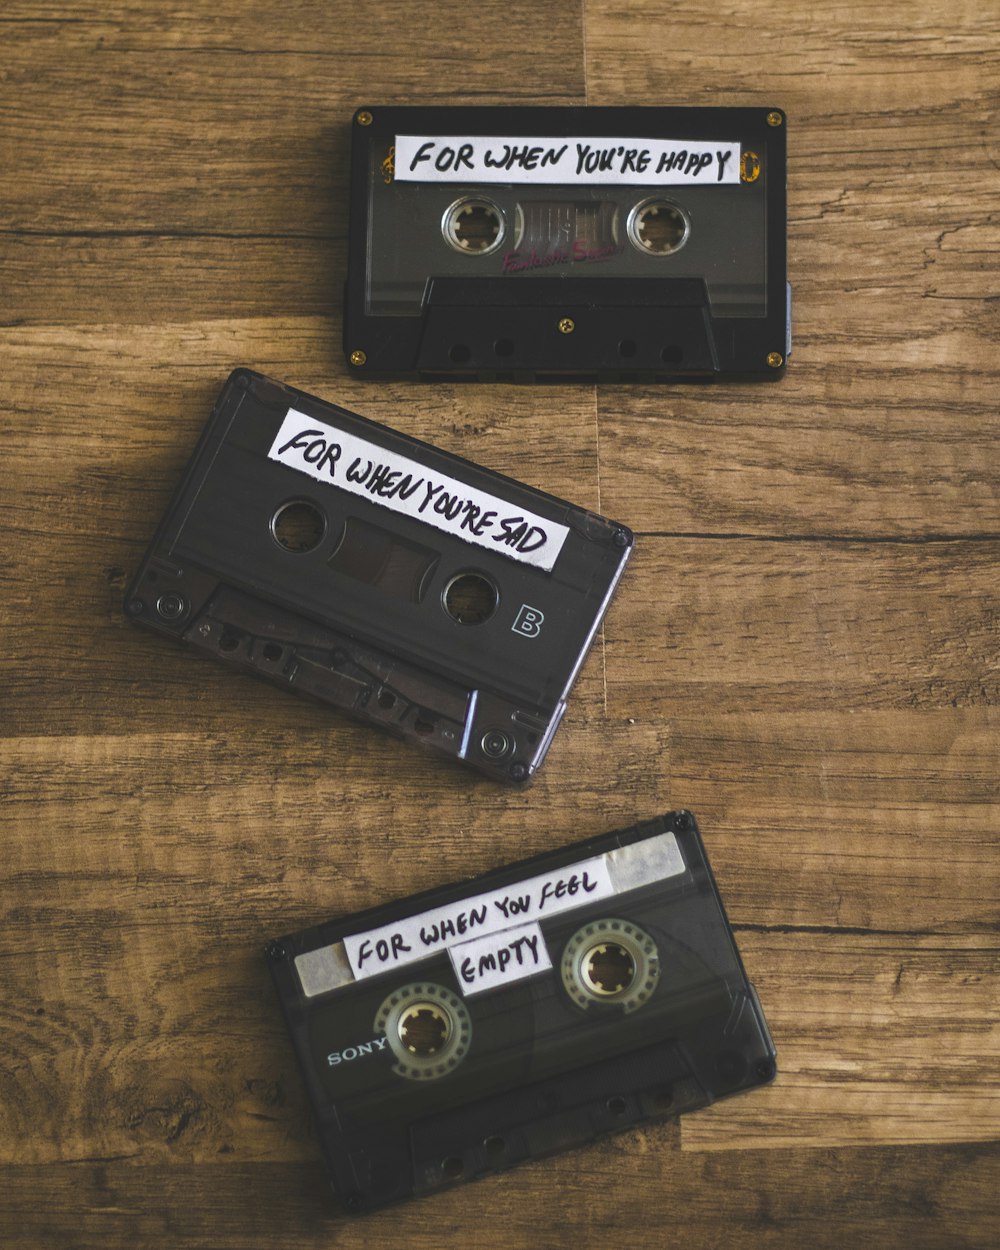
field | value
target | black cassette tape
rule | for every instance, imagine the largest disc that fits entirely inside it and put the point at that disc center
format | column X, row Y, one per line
column 616, row 244
column 351, row 563
column 470, row 1028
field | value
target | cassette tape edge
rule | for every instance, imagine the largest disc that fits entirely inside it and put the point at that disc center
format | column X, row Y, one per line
column 379, row 616
column 709, row 1040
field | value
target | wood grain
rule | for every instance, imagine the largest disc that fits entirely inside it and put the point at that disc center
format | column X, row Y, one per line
column 927, row 1198
column 804, row 650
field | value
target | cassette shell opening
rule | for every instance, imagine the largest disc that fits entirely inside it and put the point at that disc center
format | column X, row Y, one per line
column 470, row 597
column 298, row 526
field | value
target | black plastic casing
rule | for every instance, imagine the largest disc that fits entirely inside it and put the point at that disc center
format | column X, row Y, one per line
column 494, row 328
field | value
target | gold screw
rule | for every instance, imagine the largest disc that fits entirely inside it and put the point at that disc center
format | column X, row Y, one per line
column 358, row 357
column 773, row 118
column 567, row 325
column 774, row 359
column 365, row 118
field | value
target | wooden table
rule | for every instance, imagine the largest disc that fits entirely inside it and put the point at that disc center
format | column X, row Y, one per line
column 804, row 652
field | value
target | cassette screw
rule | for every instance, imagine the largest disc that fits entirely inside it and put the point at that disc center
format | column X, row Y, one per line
column 518, row 772
column 775, row 360
column 170, row 607
column 365, row 118
column 567, row 325
column 358, row 357
column 135, row 607
column 274, row 950
column 620, row 538
column 774, row 118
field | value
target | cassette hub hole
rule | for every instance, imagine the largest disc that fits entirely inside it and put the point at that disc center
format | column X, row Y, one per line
column 610, row 964
column 608, row 969
column 424, row 1028
column 428, row 1030
column 298, row 526
column 658, row 227
column 473, row 226
column 470, row 598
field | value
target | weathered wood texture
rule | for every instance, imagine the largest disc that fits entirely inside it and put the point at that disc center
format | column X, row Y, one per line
column 804, row 651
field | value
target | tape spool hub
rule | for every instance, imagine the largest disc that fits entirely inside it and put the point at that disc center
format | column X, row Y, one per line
column 473, row 225
column 611, row 962
column 658, row 227
column 428, row 1029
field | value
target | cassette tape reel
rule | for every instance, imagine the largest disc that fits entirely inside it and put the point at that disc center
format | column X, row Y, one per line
column 345, row 561
column 568, row 243
column 457, row 1033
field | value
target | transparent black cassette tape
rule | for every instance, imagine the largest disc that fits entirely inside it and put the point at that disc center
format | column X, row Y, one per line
column 622, row 244
column 348, row 562
column 465, row 1030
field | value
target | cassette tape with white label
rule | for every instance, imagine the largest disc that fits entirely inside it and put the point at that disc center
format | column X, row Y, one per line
column 464, row 1030
column 346, row 561
column 615, row 244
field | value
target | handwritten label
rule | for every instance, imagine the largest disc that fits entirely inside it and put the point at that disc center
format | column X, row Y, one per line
column 499, row 958
column 482, row 915
column 496, row 919
column 532, row 159
column 403, row 485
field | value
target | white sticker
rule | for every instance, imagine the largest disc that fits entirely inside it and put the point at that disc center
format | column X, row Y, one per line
column 403, row 485
column 416, row 937
column 499, row 958
column 533, row 159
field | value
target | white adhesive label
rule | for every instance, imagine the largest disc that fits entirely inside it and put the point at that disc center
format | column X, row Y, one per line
column 499, row 958
column 481, row 916
column 403, row 485
column 584, row 162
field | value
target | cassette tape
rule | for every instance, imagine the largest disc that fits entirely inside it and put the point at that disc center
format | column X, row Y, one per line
column 354, row 564
column 473, row 1027
column 616, row 244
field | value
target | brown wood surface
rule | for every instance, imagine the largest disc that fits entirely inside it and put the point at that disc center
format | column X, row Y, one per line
column 804, row 651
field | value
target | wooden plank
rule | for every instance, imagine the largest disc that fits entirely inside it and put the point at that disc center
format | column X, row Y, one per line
column 238, row 117
column 883, row 821
column 141, row 279
column 778, row 626
column 910, row 1199
column 116, row 995
column 163, row 1039
column 876, row 452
